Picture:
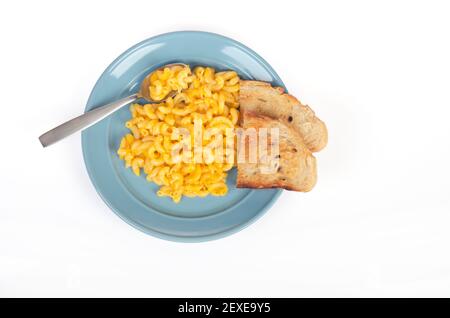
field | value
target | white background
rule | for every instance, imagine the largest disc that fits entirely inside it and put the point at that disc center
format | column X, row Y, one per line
column 377, row 223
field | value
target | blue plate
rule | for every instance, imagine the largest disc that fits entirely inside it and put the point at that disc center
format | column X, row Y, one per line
column 133, row 198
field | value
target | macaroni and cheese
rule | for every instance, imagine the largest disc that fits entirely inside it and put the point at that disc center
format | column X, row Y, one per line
column 205, row 100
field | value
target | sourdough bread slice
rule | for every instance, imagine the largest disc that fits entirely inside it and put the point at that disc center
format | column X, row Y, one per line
column 261, row 98
column 293, row 167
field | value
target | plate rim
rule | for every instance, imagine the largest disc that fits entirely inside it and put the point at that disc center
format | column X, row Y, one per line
column 152, row 232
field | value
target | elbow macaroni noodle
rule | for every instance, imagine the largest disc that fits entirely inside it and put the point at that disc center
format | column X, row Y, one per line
column 203, row 113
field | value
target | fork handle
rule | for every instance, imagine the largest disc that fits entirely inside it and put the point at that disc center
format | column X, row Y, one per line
column 83, row 121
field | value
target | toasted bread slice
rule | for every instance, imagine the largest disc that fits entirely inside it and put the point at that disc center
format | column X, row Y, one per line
column 292, row 168
column 262, row 98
